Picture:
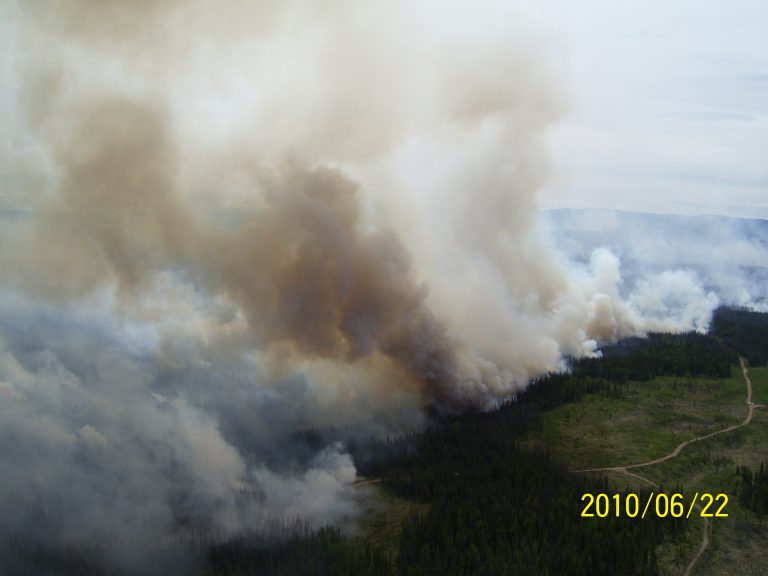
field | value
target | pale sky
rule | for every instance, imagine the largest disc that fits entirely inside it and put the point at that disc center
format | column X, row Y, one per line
column 669, row 106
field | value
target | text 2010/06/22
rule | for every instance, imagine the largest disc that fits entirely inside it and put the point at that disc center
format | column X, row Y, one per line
column 661, row 504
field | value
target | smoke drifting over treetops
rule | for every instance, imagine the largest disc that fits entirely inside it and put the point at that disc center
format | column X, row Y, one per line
column 227, row 221
column 353, row 163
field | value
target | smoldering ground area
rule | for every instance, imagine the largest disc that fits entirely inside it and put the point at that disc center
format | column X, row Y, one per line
column 226, row 223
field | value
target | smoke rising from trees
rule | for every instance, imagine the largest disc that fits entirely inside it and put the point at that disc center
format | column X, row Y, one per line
column 224, row 222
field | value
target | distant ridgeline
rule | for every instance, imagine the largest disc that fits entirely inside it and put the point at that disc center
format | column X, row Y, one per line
column 743, row 330
column 497, row 506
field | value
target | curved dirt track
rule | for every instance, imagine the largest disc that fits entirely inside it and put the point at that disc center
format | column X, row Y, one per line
column 702, row 547
column 676, row 452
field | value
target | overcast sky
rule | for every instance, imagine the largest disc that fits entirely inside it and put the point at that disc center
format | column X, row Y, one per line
column 668, row 105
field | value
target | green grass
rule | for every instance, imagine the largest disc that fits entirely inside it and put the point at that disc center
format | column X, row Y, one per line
column 759, row 377
column 382, row 520
column 738, row 541
column 649, row 421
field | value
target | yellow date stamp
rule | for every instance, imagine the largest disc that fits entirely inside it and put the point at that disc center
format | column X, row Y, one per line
column 661, row 504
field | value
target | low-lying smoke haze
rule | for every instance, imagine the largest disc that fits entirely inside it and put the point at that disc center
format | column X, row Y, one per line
column 724, row 259
column 225, row 222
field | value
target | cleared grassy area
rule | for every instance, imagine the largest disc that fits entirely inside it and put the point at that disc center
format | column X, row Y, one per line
column 646, row 422
column 738, row 542
column 649, row 421
column 759, row 378
column 382, row 521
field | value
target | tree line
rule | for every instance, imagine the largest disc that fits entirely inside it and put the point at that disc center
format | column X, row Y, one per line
column 743, row 330
column 753, row 492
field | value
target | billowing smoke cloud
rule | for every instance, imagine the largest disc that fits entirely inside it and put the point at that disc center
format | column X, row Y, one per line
column 300, row 267
column 315, row 264
column 107, row 451
column 224, row 222
column 674, row 270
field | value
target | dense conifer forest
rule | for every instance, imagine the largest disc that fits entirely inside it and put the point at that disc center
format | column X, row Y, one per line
column 496, row 506
column 753, row 493
column 745, row 331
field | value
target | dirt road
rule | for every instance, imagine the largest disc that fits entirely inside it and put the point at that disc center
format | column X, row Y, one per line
column 751, row 407
column 676, row 452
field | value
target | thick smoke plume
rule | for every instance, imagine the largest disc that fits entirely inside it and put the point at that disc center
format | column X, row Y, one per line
column 299, row 266
column 226, row 166
column 223, row 222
